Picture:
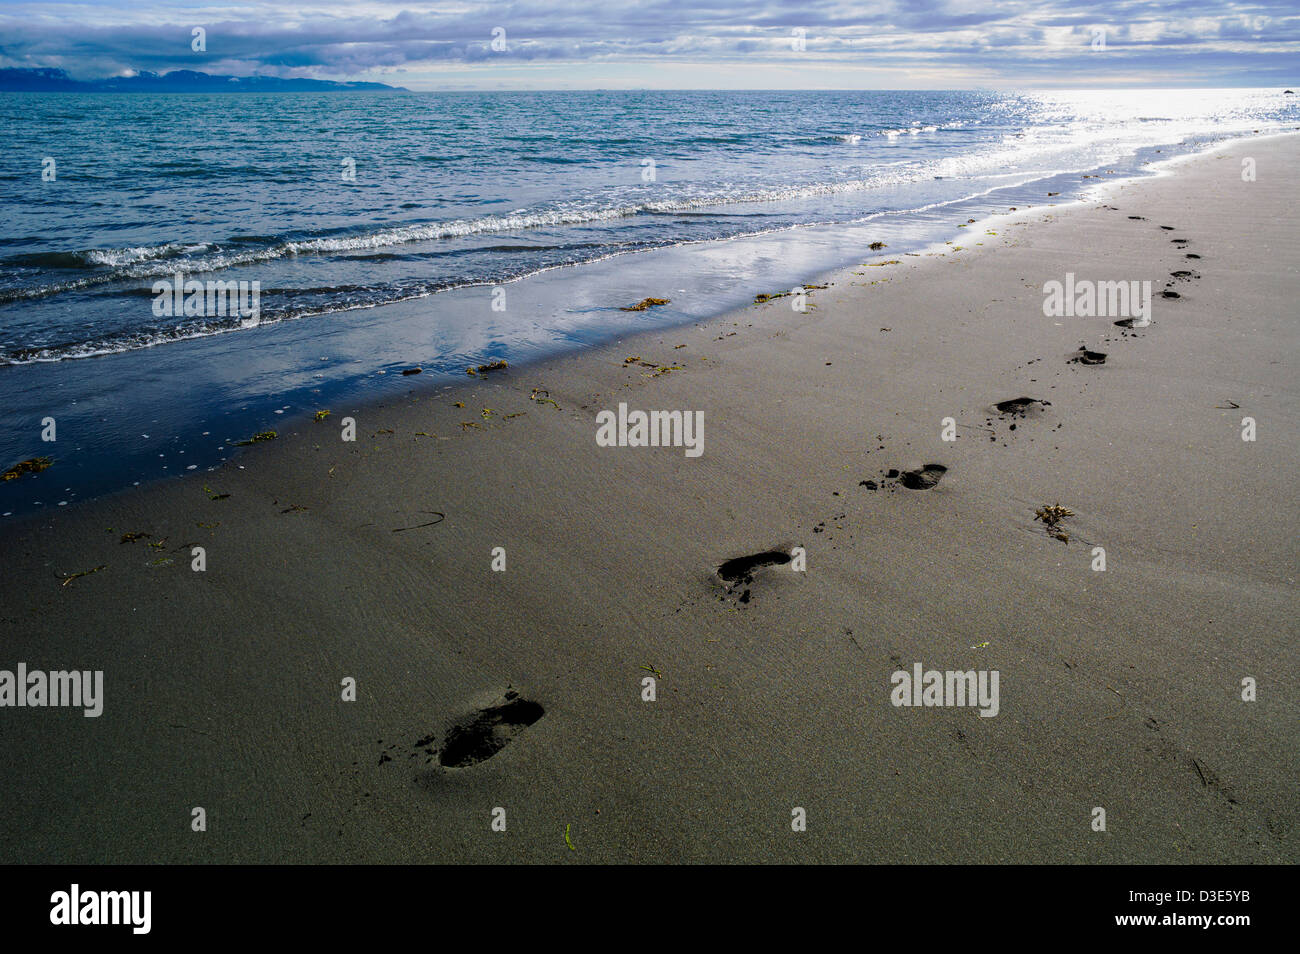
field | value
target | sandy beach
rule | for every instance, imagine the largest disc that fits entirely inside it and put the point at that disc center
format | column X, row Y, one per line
column 373, row 560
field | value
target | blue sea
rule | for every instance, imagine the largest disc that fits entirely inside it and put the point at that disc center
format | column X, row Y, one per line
column 388, row 230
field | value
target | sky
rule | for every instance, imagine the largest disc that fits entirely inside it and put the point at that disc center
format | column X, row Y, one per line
column 673, row 44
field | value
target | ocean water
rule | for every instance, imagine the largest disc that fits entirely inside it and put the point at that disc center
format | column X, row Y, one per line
column 383, row 228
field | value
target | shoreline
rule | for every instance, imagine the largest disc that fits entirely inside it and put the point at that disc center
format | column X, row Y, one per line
column 327, row 562
column 353, row 378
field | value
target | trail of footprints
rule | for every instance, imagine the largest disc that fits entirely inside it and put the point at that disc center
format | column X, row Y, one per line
column 482, row 733
column 740, row 572
column 737, row 575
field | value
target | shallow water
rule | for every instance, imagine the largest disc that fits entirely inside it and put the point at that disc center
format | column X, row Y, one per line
column 478, row 225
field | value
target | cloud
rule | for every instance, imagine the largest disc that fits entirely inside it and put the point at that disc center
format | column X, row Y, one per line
column 997, row 40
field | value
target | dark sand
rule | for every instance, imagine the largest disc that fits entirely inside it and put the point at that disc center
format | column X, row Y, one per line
column 1119, row 689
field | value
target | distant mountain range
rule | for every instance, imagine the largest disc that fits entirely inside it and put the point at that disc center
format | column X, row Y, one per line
column 177, row 81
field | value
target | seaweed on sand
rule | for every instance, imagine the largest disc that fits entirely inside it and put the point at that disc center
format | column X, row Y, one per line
column 69, row 577
column 537, row 396
column 1052, row 517
column 33, row 465
column 645, row 303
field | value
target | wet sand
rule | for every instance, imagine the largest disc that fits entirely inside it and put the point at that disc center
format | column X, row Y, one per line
column 373, row 560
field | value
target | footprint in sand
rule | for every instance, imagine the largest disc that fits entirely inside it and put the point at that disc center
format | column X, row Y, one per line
column 1021, row 406
column 1084, row 356
column 482, row 734
column 738, row 572
column 1013, row 410
column 923, row 478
